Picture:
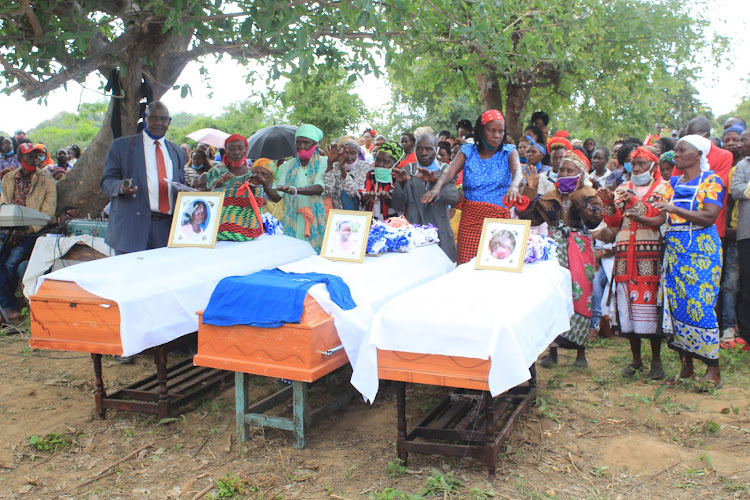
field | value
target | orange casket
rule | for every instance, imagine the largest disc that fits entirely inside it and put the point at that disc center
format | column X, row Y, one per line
column 292, row 351
column 65, row 317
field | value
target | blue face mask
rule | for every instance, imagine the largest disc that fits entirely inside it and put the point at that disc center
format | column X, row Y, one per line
column 553, row 176
column 628, row 167
column 145, row 129
column 433, row 167
column 10, row 153
column 487, row 146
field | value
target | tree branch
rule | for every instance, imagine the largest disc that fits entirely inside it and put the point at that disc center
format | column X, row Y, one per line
column 22, row 76
column 276, row 8
column 38, row 33
column 353, row 35
column 33, row 89
column 232, row 48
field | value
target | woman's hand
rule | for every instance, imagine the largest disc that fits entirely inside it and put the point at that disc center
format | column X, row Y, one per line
column 532, row 177
column 430, row 196
column 368, row 196
column 284, row 189
column 634, row 216
column 333, row 157
column 224, row 178
column 512, row 194
column 605, row 195
column 626, row 197
column 664, row 207
column 385, row 195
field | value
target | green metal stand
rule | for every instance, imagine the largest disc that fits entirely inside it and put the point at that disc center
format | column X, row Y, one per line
column 302, row 415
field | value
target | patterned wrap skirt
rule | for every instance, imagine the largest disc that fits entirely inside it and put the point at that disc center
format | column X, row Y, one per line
column 470, row 226
column 689, row 289
column 575, row 252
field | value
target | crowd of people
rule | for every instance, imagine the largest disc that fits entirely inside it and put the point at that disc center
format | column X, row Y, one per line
column 65, row 158
column 655, row 233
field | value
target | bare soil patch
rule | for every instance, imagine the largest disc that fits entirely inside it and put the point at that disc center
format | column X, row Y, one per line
column 592, row 435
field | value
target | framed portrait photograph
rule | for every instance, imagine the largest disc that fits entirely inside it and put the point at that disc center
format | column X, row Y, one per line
column 503, row 244
column 346, row 235
column 196, row 219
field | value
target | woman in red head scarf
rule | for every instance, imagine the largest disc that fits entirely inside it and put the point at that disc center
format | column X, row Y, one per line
column 638, row 250
column 234, row 169
column 491, row 179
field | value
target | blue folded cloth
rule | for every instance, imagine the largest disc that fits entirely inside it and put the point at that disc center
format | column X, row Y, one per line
column 269, row 298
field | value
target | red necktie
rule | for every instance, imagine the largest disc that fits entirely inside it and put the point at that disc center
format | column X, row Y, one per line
column 161, row 171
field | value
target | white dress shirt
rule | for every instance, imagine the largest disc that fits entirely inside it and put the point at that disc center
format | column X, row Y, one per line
column 152, row 177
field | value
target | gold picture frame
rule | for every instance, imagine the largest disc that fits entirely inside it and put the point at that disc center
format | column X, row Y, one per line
column 346, row 235
column 503, row 244
column 183, row 232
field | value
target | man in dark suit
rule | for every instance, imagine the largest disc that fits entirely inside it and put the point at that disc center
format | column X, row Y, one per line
column 134, row 172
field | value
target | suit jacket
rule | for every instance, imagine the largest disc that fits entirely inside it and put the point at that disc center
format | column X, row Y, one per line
column 130, row 216
column 407, row 198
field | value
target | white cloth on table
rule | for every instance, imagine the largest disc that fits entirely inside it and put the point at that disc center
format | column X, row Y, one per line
column 372, row 283
column 51, row 248
column 507, row 317
column 159, row 291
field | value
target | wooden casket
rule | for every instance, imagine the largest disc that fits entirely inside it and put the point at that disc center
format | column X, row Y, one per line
column 303, row 352
column 65, row 317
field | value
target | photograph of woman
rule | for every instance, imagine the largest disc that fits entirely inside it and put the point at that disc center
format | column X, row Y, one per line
column 194, row 222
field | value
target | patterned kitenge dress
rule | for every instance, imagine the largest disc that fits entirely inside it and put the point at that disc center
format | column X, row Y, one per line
column 692, row 271
column 637, row 260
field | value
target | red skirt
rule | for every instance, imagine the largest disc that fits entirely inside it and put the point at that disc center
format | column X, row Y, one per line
column 473, row 214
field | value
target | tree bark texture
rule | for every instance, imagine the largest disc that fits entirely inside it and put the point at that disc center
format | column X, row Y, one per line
column 516, row 98
column 489, row 90
column 80, row 187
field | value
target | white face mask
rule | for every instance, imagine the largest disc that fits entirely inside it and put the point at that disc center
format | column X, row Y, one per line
column 644, row 178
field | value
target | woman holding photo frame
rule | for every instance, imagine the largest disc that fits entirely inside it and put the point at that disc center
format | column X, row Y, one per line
column 570, row 211
column 491, row 179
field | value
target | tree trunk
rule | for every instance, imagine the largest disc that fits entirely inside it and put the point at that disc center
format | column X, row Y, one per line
column 489, row 90
column 516, row 98
column 80, row 187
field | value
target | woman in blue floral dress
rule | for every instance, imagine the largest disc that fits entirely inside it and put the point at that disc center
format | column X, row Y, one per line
column 692, row 260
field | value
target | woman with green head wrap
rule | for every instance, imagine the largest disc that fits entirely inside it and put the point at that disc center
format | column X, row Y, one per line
column 301, row 180
column 376, row 195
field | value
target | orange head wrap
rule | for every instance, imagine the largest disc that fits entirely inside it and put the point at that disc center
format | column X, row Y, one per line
column 559, row 140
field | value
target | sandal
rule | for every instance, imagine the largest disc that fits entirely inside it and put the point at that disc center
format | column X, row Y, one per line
column 630, row 370
column 593, row 334
column 680, row 381
column 706, row 385
column 656, row 373
column 735, row 343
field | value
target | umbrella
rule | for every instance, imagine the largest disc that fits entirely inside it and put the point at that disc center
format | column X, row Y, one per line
column 274, row 143
column 20, row 216
column 210, row 136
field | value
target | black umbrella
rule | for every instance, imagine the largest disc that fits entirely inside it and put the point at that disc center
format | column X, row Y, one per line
column 274, row 143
